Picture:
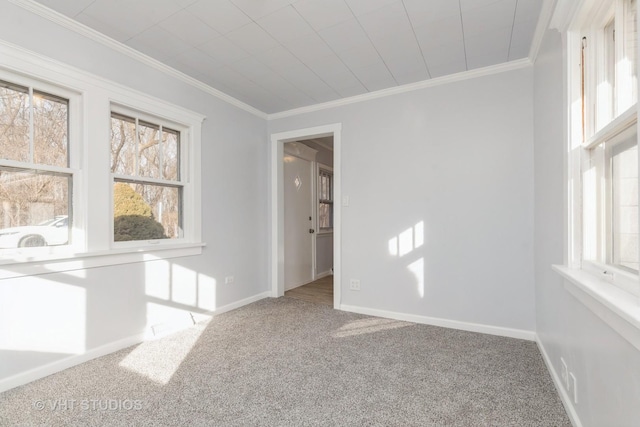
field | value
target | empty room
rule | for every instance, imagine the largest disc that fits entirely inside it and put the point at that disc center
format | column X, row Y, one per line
column 319, row 212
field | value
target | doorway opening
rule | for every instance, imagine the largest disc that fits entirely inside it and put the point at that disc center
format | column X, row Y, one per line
column 305, row 214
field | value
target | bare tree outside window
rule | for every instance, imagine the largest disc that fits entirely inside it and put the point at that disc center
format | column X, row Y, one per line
column 35, row 182
column 146, row 157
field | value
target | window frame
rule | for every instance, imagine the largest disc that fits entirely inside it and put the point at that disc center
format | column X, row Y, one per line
column 329, row 170
column 73, row 168
column 587, row 130
column 182, row 183
column 90, row 156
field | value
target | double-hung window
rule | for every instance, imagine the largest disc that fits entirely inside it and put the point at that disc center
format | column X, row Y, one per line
column 147, row 180
column 325, row 199
column 92, row 173
column 605, row 143
column 36, row 173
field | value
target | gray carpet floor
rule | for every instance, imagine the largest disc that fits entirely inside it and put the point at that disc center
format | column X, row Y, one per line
column 286, row 362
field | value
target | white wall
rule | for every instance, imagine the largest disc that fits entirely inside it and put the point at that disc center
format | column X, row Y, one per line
column 606, row 366
column 456, row 162
column 324, row 253
column 54, row 316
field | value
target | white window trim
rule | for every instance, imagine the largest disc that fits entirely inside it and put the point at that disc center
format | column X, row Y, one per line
column 590, row 282
column 184, row 182
column 91, row 245
column 74, row 152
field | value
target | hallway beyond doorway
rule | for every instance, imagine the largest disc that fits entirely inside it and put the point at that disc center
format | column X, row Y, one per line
column 319, row 291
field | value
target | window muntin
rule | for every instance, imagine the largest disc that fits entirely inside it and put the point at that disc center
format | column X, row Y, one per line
column 325, row 200
column 35, row 179
column 148, row 192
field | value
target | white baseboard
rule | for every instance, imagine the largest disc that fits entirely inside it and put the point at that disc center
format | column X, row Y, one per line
column 445, row 323
column 241, row 303
column 68, row 362
column 324, row 274
column 564, row 396
column 76, row 359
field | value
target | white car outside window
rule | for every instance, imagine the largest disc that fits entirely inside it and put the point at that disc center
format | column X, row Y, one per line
column 52, row 232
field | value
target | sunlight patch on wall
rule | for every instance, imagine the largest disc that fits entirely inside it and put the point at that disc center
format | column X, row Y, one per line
column 159, row 360
column 183, row 285
column 64, row 307
column 417, row 268
column 157, row 279
column 206, row 292
column 406, row 242
column 368, row 326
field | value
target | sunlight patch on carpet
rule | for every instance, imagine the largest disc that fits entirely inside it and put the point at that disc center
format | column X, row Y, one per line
column 368, row 326
column 159, row 360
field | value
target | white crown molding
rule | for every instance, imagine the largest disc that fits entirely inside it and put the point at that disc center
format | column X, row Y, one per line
column 546, row 13
column 465, row 75
column 96, row 36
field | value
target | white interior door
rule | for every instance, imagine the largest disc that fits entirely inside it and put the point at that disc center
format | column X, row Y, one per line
column 298, row 222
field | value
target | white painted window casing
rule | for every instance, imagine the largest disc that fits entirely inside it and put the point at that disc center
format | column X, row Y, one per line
column 91, row 100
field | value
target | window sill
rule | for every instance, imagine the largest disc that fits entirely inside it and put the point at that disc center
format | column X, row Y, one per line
column 21, row 266
column 617, row 308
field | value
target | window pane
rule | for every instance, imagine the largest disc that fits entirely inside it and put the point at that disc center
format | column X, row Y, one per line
column 34, row 209
column 146, row 212
column 149, row 153
column 325, row 186
column 171, row 154
column 123, row 145
column 50, row 129
column 14, row 122
column 631, row 45
column 325, row 217
column 624, row 168
column 607, row 87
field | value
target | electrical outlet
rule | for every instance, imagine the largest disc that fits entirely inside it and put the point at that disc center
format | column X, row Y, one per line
column 229, row 280
column 574, row 387
column 354, row 284
column 564, row 373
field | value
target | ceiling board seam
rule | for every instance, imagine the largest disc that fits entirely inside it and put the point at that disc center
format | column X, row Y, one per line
column 464, row 38
column 304, row 62
column 69, row 23
column 372, row 44
column 331, row 48
column 415, row 36
column 513, row 24
column 383, row 93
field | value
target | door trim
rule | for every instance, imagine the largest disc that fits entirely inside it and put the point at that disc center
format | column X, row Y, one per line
column 277, row 204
